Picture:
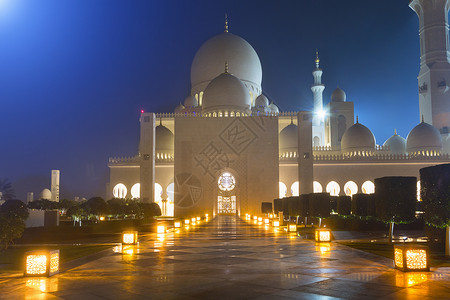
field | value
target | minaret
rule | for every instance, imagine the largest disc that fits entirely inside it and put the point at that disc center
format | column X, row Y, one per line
column 434, row 75
column 318, row 126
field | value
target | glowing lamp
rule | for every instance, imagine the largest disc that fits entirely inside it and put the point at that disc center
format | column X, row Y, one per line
column 41, row 263
column 270, row 216
column 198, row 218
column 411, row 258
column 177, row 224
column 193, row 220
column 129, row 238
column 255, row 218
column 186, row 222
column 323, row 235
column 266, row 221
column 206, row 215
column 102, row 218
column 161, row 229
column 276, row 223
column 260, row 219
column 292, row 227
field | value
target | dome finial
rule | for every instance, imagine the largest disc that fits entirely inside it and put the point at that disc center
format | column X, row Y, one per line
column 357, row 121
column 292, row 120
column 226, row 23
column 317, row 59
column 395, row 131
column 226, row 67
column 423, row 120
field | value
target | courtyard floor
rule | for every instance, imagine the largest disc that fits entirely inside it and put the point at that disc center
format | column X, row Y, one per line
column 228, row 258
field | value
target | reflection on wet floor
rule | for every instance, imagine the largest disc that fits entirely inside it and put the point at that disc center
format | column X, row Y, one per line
column 227, row 258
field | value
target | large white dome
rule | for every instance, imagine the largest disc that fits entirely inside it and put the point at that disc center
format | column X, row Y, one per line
column 358, row 138
column 45, row 194
column 226, row 93
column 397, row 144
column 164, row 139
column 422, row 138
column 226, row 47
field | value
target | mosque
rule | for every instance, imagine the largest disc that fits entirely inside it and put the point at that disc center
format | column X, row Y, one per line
column 226, row 149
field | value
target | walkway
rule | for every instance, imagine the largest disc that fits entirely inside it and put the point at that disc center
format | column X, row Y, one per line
column 230, row 259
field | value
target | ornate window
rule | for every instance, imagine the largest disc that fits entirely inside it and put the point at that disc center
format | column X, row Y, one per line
column 226, row 182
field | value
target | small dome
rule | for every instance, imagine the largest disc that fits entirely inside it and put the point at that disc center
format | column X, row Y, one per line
column 261, row 101
column 45, row 194
column 164, row 139
column 226, row 93
column 338, row 96
column 357, row 138
column 273, row 108
column 179, row 108
column 240, row 55
column 289, row 137
column 397, row 144
column 423, row 137
column 190, row 101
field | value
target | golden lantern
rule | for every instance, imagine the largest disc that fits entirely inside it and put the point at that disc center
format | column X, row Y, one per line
column 260, row 219
column 410, row 257
column 292, row 227
column 41, row 263
column 161, row 229
column 177, row 224
column 255, row 218
column 129, row 238
column 276, row 223
column 266, row 221
column 323, row 235
column 186, row 221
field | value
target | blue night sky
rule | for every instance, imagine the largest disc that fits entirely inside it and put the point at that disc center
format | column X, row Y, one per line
column 75, row 74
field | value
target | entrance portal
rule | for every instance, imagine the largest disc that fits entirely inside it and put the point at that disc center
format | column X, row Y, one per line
column 226, row 199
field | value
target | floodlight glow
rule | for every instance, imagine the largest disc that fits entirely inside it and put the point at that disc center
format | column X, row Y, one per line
column 186, row 221
column 276, row 223
column 292, row 228
column 266, row 221
column 177, row 224
column 260, row 219
column 198, row 218
column 161, row 229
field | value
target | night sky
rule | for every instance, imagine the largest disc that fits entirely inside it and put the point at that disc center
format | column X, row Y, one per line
column 74, row 74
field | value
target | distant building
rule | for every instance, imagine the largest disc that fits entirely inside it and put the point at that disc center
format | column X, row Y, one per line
column 227, row 149
column 55, row 185
column 30, row 197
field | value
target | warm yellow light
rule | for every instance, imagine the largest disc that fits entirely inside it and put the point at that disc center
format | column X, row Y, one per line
column 292, row 228
column 260, row 219
column 186, row 221
column 255, row 217
column 206, row 215
column 411, row 257
column 270, row 216
column 161, row 237
column 44, row 262
column 161, row 229
column 177, row 224
column 36, row 264
column 322, row 235
column 416, row 259
column 198, row 218
column 398, row 257
column 266, row 221
column 102, row 218
column 129, row 238
column 193, row 220
column 410, row 279
column 276, row 223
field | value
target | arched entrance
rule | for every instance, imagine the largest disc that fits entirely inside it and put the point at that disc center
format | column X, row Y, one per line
column 226, row 198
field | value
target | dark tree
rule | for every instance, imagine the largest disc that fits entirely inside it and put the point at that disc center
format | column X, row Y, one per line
column 6, row 190
column 435, row 194
column 13, row 214
column 43, row 204
column 344, row 205
column 95, row 206
column 395, row 199
column 266, row 207
column 319, row 205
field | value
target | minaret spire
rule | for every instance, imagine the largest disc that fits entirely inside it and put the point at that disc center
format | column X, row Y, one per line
column 317, row 59
column 226, row 67
column 226, row 23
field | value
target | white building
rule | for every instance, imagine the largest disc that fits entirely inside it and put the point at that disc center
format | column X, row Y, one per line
column 226, row 149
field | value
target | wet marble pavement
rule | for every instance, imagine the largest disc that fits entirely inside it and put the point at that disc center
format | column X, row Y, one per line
column 228, row 258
